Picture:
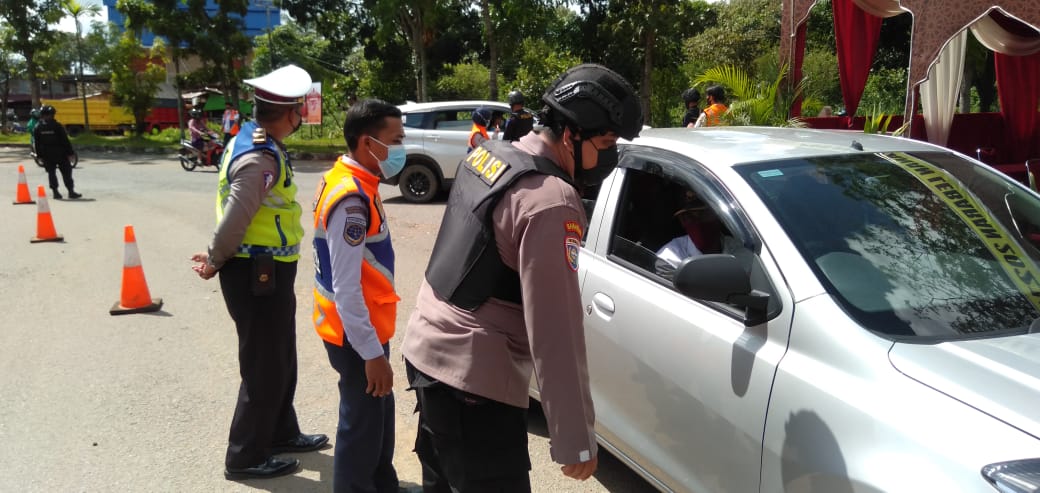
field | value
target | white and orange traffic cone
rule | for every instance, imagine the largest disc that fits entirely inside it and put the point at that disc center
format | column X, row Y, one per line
column 44, row 223
column 134, row 297
column 22, row 194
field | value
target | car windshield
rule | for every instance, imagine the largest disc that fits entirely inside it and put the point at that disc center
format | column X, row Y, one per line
column 912, row 244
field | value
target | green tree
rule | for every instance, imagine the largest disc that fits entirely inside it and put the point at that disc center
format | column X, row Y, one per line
column 464, row 81
column 752, row 102
column 78, row 11
column 137, row 73
column 29, row 33
column 540, row 65
column 746, row 30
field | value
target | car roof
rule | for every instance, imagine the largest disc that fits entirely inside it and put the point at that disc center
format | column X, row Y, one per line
column 410, row 107
column 727, row 146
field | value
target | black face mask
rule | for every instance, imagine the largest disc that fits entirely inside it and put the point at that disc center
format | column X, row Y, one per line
column 606, row 161
column 300, row 122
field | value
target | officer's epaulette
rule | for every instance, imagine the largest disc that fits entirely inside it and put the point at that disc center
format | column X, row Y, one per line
column 259, row 135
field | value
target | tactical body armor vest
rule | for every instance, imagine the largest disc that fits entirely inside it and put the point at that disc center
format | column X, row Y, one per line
column 465, row 267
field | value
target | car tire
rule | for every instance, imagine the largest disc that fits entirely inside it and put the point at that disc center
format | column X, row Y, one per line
column 418, row 183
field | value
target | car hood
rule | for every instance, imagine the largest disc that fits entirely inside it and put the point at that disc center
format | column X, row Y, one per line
column 999, row 376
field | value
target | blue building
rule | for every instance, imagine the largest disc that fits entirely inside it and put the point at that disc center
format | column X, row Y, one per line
column 261, row 16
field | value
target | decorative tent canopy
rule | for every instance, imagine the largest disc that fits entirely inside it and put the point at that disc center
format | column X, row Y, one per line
column 1008, row 27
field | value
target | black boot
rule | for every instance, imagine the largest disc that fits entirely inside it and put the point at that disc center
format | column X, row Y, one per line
column 57, row 195
column 74, row 195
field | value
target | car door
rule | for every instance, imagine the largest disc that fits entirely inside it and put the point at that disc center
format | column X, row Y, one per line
column 681, row 386
column 447, row 137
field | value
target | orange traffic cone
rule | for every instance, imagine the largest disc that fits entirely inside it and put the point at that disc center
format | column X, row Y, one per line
column 134, row 297
column 22, row 195
column 44, row 223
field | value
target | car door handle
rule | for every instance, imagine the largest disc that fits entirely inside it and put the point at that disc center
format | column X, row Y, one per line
column 603, row 303
column 434, row 136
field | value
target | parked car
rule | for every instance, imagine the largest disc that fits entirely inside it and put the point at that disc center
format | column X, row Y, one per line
column 862, row 317
column 436, row 138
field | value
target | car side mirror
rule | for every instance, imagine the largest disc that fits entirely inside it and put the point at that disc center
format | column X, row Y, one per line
column 721, row 278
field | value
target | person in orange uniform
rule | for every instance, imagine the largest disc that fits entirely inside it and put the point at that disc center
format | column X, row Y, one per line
column 355, row 305
column 712, row 115
column 478, row 133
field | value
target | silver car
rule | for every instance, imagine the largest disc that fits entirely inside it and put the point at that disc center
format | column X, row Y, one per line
column 861, row 316
column 436, row 139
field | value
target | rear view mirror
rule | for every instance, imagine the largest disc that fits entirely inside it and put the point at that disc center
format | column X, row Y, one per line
column 721, row 278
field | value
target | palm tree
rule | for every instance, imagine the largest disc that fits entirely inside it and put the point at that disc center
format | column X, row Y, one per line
column 77, row 10
column 753, row 102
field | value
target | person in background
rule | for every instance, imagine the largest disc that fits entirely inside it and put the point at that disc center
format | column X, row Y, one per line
column 255, row 249
column 483, row 118
column 520, row 120
column 692, row 100
column 826, row 111
column 500, row 297
column 712, row 115
column 229, row 122
column 55, row 151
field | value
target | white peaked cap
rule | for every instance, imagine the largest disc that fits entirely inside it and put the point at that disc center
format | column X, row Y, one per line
column 286, row 85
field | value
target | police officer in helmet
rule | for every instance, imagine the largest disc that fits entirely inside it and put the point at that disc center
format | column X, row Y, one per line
column 692, row 100
column 55, row 151
column 500, row 298
column 255, row 249
column 520, row 120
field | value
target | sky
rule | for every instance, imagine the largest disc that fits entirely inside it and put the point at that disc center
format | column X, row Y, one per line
column 68, row 25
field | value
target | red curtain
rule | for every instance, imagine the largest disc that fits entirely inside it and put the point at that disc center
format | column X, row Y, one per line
column 1018, row 87
column 856, row 33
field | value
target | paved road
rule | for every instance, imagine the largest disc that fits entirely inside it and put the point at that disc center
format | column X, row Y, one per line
column 92, row 402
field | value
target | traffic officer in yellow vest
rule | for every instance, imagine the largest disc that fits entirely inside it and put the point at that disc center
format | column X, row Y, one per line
column 255, row 248
column 355, row 305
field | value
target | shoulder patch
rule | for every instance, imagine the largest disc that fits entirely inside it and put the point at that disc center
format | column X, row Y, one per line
column 268, row 179
column 573, row 227
column 571, row 247
column 354, row 232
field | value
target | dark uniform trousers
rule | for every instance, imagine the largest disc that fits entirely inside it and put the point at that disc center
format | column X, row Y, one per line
column 363, row 460
column 52, row 164
column 266, row 328
column 467, row 443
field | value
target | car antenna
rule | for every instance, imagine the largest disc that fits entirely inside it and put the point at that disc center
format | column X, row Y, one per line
column 856, row 145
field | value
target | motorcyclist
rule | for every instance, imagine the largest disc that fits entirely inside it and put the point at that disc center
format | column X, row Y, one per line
column 520, row 120
column 201, row 137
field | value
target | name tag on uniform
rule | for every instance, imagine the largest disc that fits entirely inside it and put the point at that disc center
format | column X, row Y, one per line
column 489, row 168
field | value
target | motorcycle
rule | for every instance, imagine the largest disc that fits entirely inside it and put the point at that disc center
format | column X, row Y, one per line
column 191, row 157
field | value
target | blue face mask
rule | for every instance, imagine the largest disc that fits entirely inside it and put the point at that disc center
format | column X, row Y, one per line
column 395, row 159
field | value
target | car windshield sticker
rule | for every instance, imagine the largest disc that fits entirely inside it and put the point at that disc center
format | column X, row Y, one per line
column 769, row 173
column 489, row 168
column 1020, row 268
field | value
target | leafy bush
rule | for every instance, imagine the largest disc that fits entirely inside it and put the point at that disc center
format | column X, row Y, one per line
column 540, row 64
column 468, row 80
column 885, row 92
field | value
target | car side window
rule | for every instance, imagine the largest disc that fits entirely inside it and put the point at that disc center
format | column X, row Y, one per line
column 663, row 220
column 455, row 120
column 414, row 120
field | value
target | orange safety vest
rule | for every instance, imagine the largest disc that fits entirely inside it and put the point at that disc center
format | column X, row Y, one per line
column 377, row 268
column 714, row 114
column 473, row 133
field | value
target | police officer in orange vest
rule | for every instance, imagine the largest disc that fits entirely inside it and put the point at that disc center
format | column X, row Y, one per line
column 355, row 305
column 478, row 134
column 255, row 248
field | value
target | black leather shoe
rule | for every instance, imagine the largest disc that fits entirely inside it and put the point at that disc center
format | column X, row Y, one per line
column 302, row 443
column 56, row 194
column 272, row 468
column 74, row 195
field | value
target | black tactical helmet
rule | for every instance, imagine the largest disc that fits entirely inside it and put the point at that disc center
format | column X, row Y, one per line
column 515, row 97
column 691, row 95
column 592, row 99
column 47, row 110
column 35, row 113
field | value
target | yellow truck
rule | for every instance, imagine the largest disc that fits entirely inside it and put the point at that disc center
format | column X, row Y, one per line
column 104, row 116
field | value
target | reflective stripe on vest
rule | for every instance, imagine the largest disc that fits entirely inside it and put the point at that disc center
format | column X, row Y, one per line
column 377, row 266
column 276, row 227
column 713, row 114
